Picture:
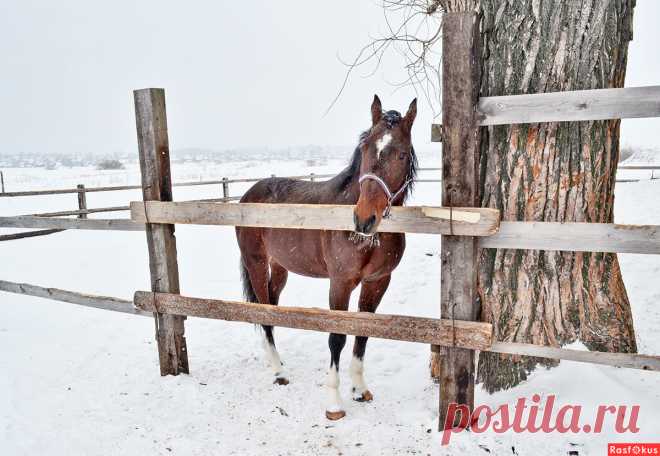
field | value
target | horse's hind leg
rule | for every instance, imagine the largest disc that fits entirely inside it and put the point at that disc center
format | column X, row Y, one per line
column 278, row 276
column 370, row 296
column 258, row 286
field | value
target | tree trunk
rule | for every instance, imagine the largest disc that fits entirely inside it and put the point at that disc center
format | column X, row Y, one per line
column 561, row 172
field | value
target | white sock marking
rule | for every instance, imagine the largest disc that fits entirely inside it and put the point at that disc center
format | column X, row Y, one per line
column 332, row 389
column 382, row 143
column 273, row 359
column 356, row 370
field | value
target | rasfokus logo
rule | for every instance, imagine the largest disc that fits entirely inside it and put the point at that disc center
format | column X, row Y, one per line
column 633, row 448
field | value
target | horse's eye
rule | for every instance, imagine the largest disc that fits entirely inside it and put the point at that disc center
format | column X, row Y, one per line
column 402, row 155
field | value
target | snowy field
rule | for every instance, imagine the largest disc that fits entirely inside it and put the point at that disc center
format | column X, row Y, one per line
column 82, row 381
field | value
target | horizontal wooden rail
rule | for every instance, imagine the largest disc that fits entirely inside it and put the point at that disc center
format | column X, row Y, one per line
column 578, row 237
column 229, row 181
column 87, row 300
column 28, row 221
column 82, row 211
column 577, row 105
column 131, row 187
column 436, row 332
column 639, row 167
column 179, row 184
column 121, row 208
column 413, row 219
column 61, row 191
column 468, row 334
column 28, row 234
column 628, row 360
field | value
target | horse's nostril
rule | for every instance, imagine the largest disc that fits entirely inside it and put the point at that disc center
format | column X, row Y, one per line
column 371, row 221
column 366, row 226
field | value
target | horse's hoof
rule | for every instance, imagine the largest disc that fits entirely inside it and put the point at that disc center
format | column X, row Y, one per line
column 334, row 416
column 366, row 396
column 281, row 381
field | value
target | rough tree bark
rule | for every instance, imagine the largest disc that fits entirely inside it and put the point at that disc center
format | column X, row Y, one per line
column 551, row 172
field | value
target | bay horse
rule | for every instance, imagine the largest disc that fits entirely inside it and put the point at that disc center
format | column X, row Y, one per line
column 380, row 175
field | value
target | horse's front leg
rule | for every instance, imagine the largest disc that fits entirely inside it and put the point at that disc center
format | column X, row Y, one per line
column 340, row 294
column 370, row 296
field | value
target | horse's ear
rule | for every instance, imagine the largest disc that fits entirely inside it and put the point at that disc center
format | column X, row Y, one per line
column 410, row 115
column 376, row 110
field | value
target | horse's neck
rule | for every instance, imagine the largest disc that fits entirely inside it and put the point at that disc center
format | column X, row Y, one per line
column 345, row 187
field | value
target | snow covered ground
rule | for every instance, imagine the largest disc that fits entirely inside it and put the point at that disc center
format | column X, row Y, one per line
column 84, row 381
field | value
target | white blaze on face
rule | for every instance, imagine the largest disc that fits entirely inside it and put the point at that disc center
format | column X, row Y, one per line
column 382, row 143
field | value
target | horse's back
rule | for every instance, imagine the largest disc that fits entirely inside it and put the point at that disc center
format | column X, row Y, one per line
column 282, row 190
column 299, row 251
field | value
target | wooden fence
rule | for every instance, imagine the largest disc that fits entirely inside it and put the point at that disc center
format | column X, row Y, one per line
column 469, row 334
column 83, row 211
column 464, row 230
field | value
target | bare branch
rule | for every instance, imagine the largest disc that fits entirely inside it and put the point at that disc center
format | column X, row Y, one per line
column 414, row 38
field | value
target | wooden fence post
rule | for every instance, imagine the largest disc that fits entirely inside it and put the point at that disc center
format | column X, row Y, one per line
column 225, row 188
column 2, row 180
column 151, row 121
column 460, row 187
column 82, row 201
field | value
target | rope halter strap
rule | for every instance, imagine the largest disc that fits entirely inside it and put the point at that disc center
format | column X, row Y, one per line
column 383, row 186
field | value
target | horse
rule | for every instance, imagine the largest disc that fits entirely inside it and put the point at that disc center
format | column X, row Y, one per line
column 380, row 175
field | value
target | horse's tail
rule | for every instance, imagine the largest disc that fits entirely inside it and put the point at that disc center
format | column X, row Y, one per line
column 248, row 291
column 251, row 296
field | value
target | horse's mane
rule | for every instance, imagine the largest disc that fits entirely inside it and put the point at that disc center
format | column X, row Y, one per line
column 352, row 171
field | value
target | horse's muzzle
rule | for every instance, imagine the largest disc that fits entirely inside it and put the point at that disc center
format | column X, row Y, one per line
column 367, row 227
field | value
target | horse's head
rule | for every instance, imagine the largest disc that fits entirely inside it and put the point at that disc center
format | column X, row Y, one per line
column 387, row 166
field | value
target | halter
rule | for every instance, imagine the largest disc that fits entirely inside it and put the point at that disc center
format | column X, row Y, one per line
column 390, row 196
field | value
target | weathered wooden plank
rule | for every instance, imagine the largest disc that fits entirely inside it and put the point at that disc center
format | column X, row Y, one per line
column 179, row 184
column 460, row 187
column 216, row 182
column 153, row 144
column 82, row 212
column 436, row 132
column 61, row 191
column 27, row 234
column 577, row 105
column 579, row 237
column 121, row 208
column 639, row 167
column 29, row 221
column 413, row 329
column 412, row 219
column 397, row 327
column 627, row 360
column 82, row 299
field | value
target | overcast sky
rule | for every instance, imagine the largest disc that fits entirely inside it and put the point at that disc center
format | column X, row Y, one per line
column 240, row 73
